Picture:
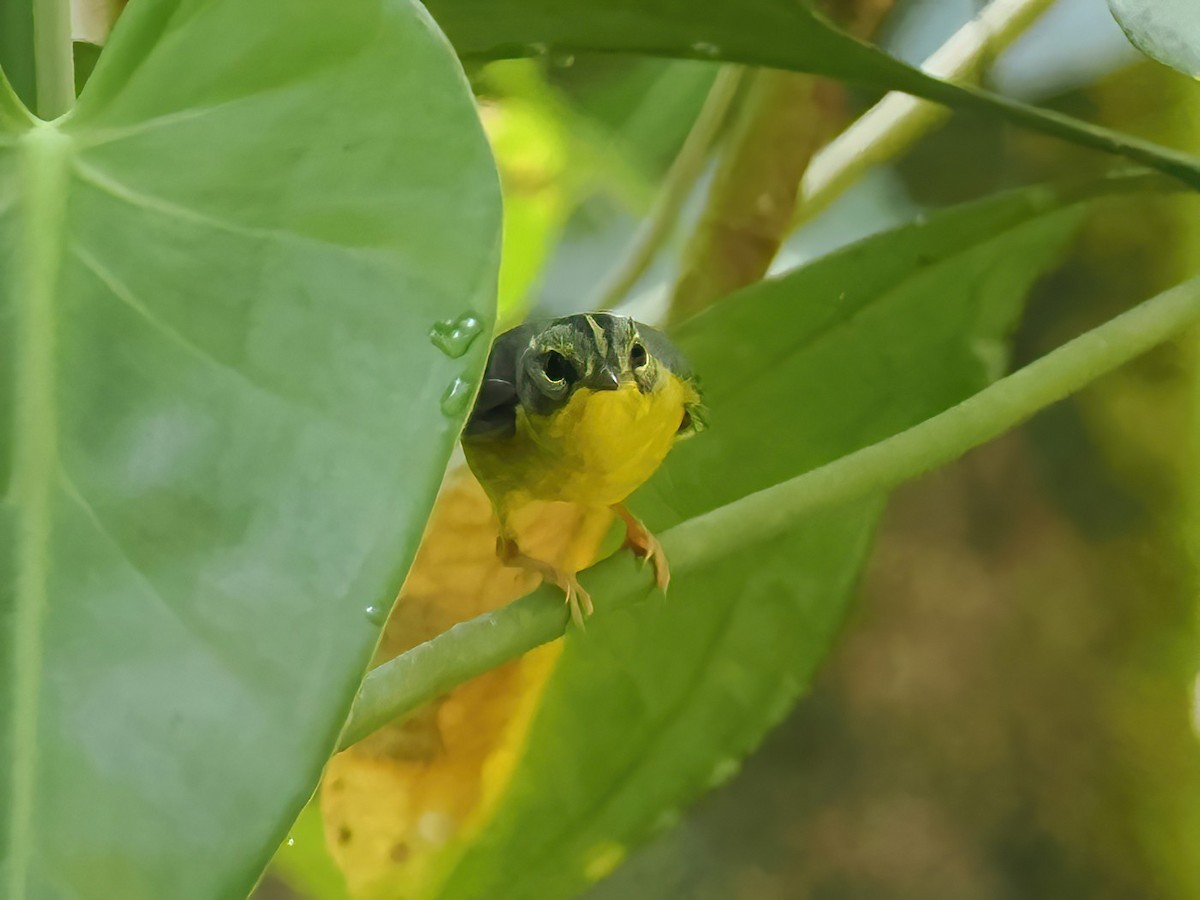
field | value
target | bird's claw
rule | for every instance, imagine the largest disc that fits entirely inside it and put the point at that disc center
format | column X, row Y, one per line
column 651, row 551
column 645, row 545
column 578, row 600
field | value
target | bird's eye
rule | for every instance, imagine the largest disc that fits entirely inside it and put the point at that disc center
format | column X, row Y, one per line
column 637, row 356
column 556, row 367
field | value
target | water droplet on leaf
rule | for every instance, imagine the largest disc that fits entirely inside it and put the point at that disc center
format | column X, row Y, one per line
column 456, row 397
column 704, row 48
column 455, row 336
column 537, row 49
column 376, row 614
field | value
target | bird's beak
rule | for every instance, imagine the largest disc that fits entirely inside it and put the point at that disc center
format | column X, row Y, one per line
column 607, row 380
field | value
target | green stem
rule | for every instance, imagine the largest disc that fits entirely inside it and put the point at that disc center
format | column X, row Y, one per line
column 783, row 119
column 897, row 121
column 34, row 469
column 1183, row 166
column 54, row 62
column 471, row 648
column 677, row 186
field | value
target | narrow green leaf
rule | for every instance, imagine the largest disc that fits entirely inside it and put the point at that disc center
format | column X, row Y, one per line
column 1166, row 30
column 53, row 58
column 654, row 704
column 224, row 421
column 86, row 56
column 14, row 117
column 16, row 48
column 782, row 34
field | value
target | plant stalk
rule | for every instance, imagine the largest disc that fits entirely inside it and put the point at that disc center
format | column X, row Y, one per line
column 677, row 186
column 473, row 647
column 783, row 119
column 897, row 121
column 54, row 61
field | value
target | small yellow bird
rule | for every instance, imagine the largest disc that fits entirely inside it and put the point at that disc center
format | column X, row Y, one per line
column 582, row 409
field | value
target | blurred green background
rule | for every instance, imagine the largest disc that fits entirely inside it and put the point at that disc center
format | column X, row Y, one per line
column 1011, row 711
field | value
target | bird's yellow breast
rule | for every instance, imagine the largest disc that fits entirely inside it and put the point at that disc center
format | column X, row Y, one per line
column 596, row 450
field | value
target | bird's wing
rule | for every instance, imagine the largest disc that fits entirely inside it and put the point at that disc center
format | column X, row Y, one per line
column 495, row 410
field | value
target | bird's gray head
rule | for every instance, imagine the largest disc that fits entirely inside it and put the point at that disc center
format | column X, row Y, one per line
column 598, row 351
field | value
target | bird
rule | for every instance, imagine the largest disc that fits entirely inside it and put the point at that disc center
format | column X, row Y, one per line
column 583, row 409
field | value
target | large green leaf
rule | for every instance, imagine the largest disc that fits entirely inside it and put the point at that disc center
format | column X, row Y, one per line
column 779, row 33
column 1167, row 30
column 655, row 703
column 224, row 420
column 784, row 34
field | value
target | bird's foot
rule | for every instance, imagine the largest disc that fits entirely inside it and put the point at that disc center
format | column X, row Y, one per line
column 639, row 539
column 579, row 600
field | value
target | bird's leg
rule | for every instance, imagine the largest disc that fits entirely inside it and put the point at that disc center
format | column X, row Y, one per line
column 579, row 600
column 645, row 545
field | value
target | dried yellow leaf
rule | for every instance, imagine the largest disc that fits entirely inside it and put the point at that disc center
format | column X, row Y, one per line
column 398, row 805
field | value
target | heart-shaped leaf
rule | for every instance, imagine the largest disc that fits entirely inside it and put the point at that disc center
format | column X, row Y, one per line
column 1166, row 30
column 225, row 421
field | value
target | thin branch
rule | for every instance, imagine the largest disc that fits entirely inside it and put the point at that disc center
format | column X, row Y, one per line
column 471, row 648
column 677, row 186
column 54, row 62
column 783, row 119
column 897, row 121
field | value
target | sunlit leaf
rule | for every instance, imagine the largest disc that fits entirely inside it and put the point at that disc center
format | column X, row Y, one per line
column 531, row 152
column 225, row 420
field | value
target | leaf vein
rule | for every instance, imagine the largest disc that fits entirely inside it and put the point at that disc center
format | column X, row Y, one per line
column 123, row 294
column 123, row 193
column 71, row 489
column 194, row 626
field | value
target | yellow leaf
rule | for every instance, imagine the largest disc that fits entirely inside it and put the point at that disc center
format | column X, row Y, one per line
column 399, row 805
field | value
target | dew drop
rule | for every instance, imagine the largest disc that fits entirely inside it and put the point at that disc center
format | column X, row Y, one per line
column 565, row 60
column 455, row 336
column 456, row 397
column 291, row 842
column 376, row 614
column 537, row 49
column 703, row 48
